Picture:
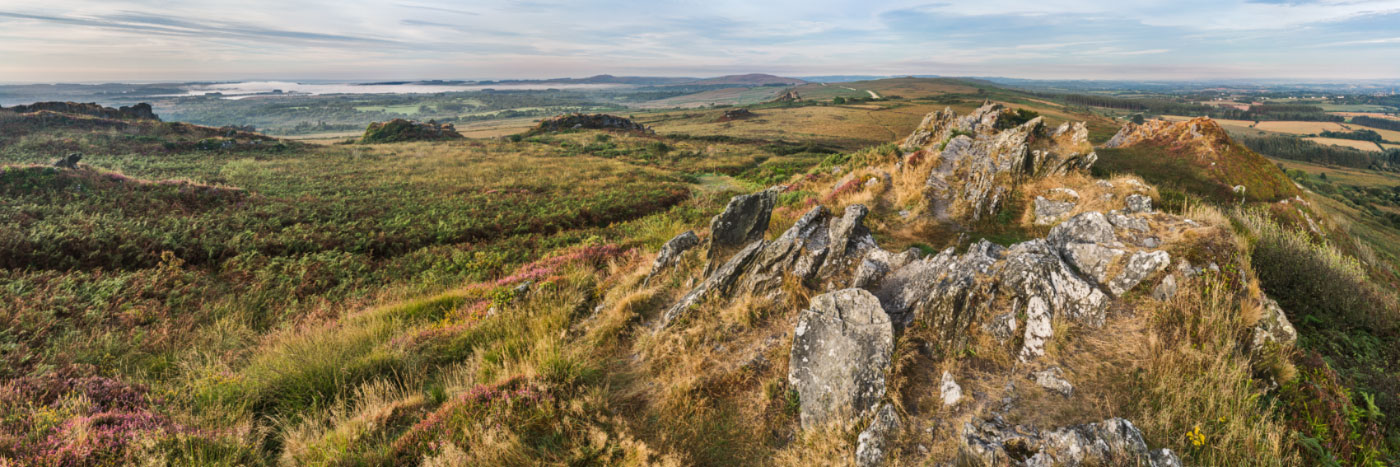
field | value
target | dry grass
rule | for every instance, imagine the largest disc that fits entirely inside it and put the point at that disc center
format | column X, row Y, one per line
column 1300, row 128
column 1350, row 143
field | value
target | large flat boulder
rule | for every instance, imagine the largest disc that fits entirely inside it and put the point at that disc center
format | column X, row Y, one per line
column 841, row 350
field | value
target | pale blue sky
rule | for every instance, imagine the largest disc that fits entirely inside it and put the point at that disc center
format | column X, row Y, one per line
column 155, row 40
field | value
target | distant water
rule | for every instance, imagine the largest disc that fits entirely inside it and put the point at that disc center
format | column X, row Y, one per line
column 250, row 88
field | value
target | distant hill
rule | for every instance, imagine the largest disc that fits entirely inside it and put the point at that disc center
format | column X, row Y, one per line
column 752, row 79
column 1198, row 156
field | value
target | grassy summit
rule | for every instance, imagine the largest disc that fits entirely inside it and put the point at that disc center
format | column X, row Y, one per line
column 1196, row 156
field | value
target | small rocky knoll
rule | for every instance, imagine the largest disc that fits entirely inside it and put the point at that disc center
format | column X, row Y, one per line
column 1196, row 155
column 978, row 159
column 399, row 130
column 735, row 114
column 140, row 111
column 587, row 122
column 1104, row 250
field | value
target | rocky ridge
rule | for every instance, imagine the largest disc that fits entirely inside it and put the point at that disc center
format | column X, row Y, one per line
column 981, row 157
column 870, row 299
column 140, row 111
column 587, row 121
column 398, row 130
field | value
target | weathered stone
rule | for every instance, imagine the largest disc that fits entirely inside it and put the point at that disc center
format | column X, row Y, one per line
column 1166, row 289
column 743, row 221
column 1111, row 442
column 718, row 283
column 1038, row 329
column 1273, row 326
column 949, row 390
column 872, row 444
column 1119, row 220
column 841, row 351
column 1139, row 266
column 1138, row 203
column 70, row 162
column 1033, row 269
column 671, row 251
column 1053, row 379
column 800, row 251
column 1087, row 227
column 1048, row 212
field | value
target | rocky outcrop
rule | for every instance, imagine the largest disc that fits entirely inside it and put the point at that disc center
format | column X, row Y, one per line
column 1110, row 442
column 790, row 96
column 671, row 252
column 140, row 111
column 1273, row 327
column 735, row 114
column 1048, row 212
column 720, row 282
column 743, row 221
column 1200, row 152
column 68, row 162
column 587, row 122
column 981, row 159
column 841, row 350
column 872, row 444
column 400, row 130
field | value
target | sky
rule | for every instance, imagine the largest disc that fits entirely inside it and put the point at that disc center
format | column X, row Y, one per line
column 183, row 40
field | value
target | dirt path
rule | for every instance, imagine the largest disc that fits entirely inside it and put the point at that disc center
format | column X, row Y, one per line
column 872, row 94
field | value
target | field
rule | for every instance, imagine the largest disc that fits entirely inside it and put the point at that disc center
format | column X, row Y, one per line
column 1300, row 128
column 1368, row 114
column 1351, row 143
column 728, row 96
column 1355, row 108
column 1388, row 135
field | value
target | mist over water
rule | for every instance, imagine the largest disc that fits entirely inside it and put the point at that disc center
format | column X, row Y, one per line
column 244, row 89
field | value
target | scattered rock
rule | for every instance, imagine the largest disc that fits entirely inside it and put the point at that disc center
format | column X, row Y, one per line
column 1166, row 289
column 1139, row 266
column 70, row 162
column 1110, row 442
column 735, row 114
column 1049, row 212
column 1273, row 326
column 1138, row 203
column 841, row 351
column 1053, row 379
column 872, row 443
column 949, row 390
column 1038, row 329
column 671, row 251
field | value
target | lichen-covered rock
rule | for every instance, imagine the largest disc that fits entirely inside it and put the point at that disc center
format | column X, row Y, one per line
column 721, row 282
column 743, row 221
column 1038, row 329
column 671, row 251
column 1138, row 203
column 980, row 160
column 949, row 390
column 800, row 251
column 1273, row 326
column 841, row 350
column 1048, row 212
column 1111, row 442
column 1053, row 378
column 1139, row 266
column 872, row 444
column 1166, row 289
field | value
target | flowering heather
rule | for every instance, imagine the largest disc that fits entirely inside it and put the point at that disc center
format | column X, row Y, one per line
column 498, row 404
column 110, row 415
column 848, row 187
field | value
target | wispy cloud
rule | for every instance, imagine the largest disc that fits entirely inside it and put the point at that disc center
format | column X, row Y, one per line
column 208, row 39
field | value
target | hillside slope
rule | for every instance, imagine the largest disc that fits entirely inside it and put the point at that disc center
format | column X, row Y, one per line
column 973, row 297
column 1198, row 156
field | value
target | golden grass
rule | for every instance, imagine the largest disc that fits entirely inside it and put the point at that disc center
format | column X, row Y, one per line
column 1351, row 143
column 1300, row 128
